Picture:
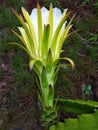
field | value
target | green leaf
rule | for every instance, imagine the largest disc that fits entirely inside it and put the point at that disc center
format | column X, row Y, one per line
column 84, row 122
column 77, row 106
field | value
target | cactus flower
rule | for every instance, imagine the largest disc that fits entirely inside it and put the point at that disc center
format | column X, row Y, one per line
column 42, row 35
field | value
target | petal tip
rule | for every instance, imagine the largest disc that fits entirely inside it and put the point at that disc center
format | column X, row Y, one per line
column 38, row 5
column 23, row 9
column 50, row 5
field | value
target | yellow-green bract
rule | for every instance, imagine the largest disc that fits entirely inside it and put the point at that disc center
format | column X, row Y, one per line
column 43, row 31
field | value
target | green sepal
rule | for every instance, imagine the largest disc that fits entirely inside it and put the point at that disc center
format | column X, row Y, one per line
column 45, row 42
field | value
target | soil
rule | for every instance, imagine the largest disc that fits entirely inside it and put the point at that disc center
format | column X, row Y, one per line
column 25, row 117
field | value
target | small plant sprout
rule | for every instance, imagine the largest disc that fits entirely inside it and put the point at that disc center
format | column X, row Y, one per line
column 42, row 35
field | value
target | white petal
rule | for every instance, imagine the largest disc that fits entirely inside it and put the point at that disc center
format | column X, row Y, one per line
column 65, row 10
column 45, row 14
column 57, row 14
column 33, row 17
column 64, row 25
column 56, row 18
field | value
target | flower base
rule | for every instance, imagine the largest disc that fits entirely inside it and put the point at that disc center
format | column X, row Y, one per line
column 48, row 117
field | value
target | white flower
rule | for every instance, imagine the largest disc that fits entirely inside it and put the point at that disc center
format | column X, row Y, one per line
column 43, row 34
column 57, row 14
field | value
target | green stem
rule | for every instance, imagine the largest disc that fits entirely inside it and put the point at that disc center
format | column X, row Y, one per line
column 46, row 99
